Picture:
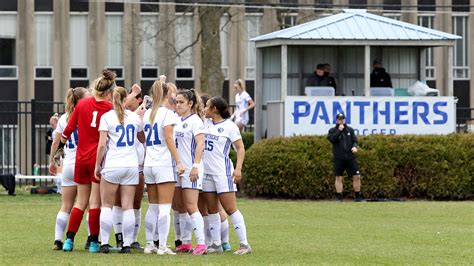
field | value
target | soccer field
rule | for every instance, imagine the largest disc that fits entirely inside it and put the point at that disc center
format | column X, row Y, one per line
column 280, row 232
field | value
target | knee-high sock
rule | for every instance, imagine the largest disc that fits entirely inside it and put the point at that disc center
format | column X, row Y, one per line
column 151, row 217
column 128, row 227
column 157, row 234
column 164, row 220
column 215, row 228
column 198, row 227
column 106, row 221
column 94, row 224
column 74, row 222
column 138, row 221
column 176, row 225
column 185, row 228
column 239, row 227
column 61, row 223
column 207, row 232
column 225, row 231
column 117, row 218
column 87, row 222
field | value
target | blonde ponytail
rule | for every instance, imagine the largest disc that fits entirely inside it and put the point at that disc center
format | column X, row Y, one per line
column 118, row 97
column 72, row 97
column 157, row 95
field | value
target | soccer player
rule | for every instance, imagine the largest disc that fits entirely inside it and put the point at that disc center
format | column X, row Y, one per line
column 243, row 104
column 220, row 175
column 159, row 122
column 119, row 128
column 189, row 134
column 69, row 189
column 86, row 118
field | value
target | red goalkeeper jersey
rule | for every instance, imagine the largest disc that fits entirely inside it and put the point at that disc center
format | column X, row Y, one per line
column 86, row 118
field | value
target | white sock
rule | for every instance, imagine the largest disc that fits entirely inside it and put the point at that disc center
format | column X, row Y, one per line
column 239, row 227
column 198, row 227
column 215, row 228
column 225, row 231
column 207, row 232
column 177, row 226
column 128, row 227
column 117, row 218
column 87, row 222
column 151, row 217
column 185, row 228
column 105, row 224
column 61, row 222
column 138, row 221
column 164, row 222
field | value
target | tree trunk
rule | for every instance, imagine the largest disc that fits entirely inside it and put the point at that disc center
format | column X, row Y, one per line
column 212, row 78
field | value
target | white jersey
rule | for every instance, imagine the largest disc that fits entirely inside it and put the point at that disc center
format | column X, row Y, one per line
column 71, row 144
column 241, row 103
column 185, row 132
column 121, row 149
column 219, row 139
column 157, row 153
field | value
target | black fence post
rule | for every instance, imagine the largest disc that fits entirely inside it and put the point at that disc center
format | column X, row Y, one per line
column 33, row 138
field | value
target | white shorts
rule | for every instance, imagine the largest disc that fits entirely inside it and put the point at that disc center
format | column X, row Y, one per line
column 159, row 174
column 239, row 119
column 218, row 183
column 185, row 182
column 67, row 179
column 121, row 175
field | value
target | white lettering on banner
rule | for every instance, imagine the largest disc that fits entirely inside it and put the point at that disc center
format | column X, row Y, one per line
column 370, row 115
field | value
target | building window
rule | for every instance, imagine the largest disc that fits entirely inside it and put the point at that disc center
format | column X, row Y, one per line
column 114, row 42
column 78, row 36
column 148, row 40
column 288, row 20
column 427, row 21
column 461, row 62
column 44, row 39
column 8, row 69
column 224, row 38
column 395, row 16
column 253, row 30
column 184, row 49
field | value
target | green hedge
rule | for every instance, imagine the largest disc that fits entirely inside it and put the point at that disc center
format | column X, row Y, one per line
column 431, row 167
column 247, row 138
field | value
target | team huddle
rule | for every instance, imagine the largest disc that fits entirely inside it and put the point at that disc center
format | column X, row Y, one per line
column 109, row 145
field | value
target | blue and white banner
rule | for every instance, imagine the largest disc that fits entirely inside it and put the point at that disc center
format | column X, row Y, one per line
column 371, row 115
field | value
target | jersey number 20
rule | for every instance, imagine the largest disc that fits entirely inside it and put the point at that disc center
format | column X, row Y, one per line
column 129, row 131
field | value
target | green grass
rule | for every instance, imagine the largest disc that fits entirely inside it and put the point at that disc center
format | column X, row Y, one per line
column 280, row 232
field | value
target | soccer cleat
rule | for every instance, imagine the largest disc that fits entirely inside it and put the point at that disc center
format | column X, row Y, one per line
column 243, row 249
column 199, row 249
column 226, row 246
column 68, row 245
column 58, row 245
column 165, row 251
column 88, row 243
column 125, row 250
column 150, row 248
column 119, row 240
column 214, row 248
column 136, row 245
column 184, row 248
column 94, row 247
column 177, row 243
column 104, row 248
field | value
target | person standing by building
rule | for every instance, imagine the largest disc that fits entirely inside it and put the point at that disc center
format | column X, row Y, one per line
column 243, row 104
column 320, row 78
column 344, row 147
column 379, row 77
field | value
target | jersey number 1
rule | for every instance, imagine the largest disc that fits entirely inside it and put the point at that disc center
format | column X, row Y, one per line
column 94, row 119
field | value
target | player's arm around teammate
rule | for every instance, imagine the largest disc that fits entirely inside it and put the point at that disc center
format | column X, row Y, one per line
column 220, row 179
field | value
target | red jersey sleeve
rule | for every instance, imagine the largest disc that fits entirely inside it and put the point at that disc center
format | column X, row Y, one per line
column 72, row 123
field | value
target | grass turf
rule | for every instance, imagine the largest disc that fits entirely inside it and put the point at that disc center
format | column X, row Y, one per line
column 280, row 232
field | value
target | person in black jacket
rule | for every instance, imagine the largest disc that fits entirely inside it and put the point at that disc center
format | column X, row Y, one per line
column 379, row 77
column 320, row 78
column 344, row 148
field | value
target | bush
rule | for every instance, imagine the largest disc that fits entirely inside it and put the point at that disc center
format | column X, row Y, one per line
column 432, row 167
column 247, row 138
